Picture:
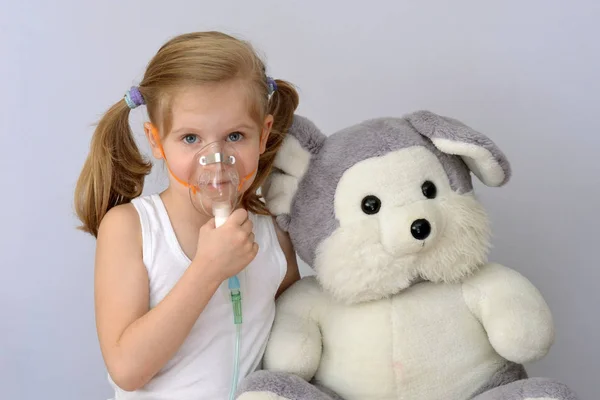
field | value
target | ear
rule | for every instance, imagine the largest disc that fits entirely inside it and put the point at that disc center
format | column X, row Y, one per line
column 302, row 142
column 450, row 136
column 266, row 131
column 154, row 139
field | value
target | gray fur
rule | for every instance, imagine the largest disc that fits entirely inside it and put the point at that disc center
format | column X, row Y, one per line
column 291, row 387
column 285, row 385
column 307, row 133
column 532, row 388
column 508, row 373
column 283, row 221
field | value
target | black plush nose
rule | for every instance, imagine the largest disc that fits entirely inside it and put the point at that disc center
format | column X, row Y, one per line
column 420, row 229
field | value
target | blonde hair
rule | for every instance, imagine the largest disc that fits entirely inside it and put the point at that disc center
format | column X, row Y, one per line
column 114, row 170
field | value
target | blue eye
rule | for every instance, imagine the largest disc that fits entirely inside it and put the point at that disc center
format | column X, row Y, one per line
column 190, row 139
column 235, row 136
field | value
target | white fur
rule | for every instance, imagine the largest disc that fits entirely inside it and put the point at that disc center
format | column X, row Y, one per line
column 292, row 158
column 373, row 256
column 279, row 190
column 390, row 348
column 479, row 160
column 513, row 312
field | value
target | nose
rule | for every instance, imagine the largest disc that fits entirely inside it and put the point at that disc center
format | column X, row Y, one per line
column 420, row 229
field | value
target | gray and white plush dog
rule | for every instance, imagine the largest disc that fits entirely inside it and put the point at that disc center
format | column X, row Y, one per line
column 404, row 304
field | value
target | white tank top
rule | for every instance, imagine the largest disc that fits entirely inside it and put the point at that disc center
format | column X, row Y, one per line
column 203, row 366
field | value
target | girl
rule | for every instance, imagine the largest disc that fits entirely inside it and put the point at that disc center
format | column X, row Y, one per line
column 165, row 331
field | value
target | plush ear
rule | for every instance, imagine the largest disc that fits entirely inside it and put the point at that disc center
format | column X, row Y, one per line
column 303, row 141
column 450, row 136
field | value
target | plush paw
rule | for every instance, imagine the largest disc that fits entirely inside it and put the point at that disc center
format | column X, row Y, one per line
column 295, row 342
column 514, row 314
column 520, row 339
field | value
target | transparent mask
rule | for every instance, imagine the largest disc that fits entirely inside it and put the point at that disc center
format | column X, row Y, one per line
column 214, row 181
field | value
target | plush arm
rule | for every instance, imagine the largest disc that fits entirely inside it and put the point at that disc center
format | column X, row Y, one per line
column 512, row 311
column 295, row 342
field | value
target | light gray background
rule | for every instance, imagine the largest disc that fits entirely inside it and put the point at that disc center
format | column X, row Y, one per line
column 524, row 72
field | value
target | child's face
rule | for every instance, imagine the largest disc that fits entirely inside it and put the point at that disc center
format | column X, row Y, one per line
column 210, row 113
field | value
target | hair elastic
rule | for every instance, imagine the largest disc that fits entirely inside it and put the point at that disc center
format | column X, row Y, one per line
column 272, row 86
column 134, row 98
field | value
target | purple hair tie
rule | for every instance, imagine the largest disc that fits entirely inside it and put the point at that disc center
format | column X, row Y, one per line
column 272, row 86
column 134, row 97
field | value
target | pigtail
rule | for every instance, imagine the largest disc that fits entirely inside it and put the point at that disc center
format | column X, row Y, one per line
column 282, row 105
column 113, row 172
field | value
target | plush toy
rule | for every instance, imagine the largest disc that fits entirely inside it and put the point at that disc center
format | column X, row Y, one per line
column 404, row 304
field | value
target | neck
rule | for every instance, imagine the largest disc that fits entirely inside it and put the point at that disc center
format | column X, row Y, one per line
column 181, row 207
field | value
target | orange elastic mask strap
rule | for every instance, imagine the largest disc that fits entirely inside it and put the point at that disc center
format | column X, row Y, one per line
column 193, row 188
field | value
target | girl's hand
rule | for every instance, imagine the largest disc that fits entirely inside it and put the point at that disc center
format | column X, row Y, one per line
column 226, row 250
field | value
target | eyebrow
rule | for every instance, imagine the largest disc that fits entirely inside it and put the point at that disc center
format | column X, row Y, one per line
column 199, row 131
column 185, row 130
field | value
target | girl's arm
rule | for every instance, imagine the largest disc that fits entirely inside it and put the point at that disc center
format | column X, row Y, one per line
column 135, row 342
column 292, row 274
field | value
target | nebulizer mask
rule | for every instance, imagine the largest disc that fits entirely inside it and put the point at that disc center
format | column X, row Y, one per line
column 214, row 182
column 215, row 188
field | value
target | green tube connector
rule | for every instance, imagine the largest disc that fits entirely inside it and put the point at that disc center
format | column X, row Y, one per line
column 236, row 301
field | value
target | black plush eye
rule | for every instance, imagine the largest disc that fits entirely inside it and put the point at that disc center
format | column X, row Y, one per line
column 429, row 190
column 371, row 205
